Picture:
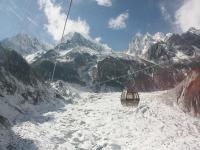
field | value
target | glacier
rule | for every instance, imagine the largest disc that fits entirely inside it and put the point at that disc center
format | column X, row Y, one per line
column 98, row 121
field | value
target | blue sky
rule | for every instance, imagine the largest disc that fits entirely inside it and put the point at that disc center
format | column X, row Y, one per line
column 113, row 22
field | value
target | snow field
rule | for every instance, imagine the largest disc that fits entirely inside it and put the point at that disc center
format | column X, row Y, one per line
column 100, row 122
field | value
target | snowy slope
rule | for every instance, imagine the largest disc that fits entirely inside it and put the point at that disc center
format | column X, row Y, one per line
column 16, row 110
column 98, row 121
column 30, row 58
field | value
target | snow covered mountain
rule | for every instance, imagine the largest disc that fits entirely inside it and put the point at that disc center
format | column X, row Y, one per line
column 84, row 61
column 77, row 40
column 169, row 47
column 24, row 44
column 76, row 58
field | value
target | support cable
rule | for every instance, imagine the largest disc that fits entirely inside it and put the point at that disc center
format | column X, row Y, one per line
column 62, row 38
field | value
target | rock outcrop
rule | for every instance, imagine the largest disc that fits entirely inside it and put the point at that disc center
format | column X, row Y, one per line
column 189, row 93
column 19, row 79
column 146, row 78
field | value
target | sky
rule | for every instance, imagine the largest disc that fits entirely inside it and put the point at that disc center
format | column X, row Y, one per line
column 114, row 22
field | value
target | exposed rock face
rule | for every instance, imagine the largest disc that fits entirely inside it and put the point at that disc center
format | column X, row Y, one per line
column 4, row 123
column 150, row 79
column 185, row 43
column 111, row 68
column 189, row 93
column 70, row 71
column 160, row 79
column 5, row 133
column 64, row 71
column 158, row 53
column 188, row 38
column 13, row 63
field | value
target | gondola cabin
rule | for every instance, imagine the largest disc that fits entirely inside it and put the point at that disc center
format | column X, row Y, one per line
column 130, row 97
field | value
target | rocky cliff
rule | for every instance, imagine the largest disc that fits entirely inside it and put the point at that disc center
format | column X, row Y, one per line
column 188, row 95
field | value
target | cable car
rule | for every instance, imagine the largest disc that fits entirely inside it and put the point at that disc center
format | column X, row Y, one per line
column 130, row 96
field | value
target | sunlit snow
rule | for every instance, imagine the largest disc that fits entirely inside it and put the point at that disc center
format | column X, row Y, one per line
column 100, row 122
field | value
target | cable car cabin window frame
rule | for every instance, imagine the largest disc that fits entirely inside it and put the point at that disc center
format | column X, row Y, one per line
column 123, row 96
column 130, row 96
column 136, row 96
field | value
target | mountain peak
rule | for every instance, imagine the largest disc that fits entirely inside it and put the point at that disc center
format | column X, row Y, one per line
column 75, row 40
column 194, row 31
column 24, row 44
column 140, row 43
column 73, row 36
column 23, row 35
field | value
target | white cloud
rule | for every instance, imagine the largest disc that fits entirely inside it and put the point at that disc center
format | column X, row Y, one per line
column 106, row 3
column 106, row 46
column 98, row 39
column 188, row 15
column 119, row 22
column 56, row 21
column 165, row 13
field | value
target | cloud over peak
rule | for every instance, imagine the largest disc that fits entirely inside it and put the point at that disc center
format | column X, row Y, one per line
column 188, row 15
column 119, row 22
column 56, row 20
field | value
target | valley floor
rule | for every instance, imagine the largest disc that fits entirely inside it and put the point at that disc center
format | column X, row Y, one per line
column 100, row 122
